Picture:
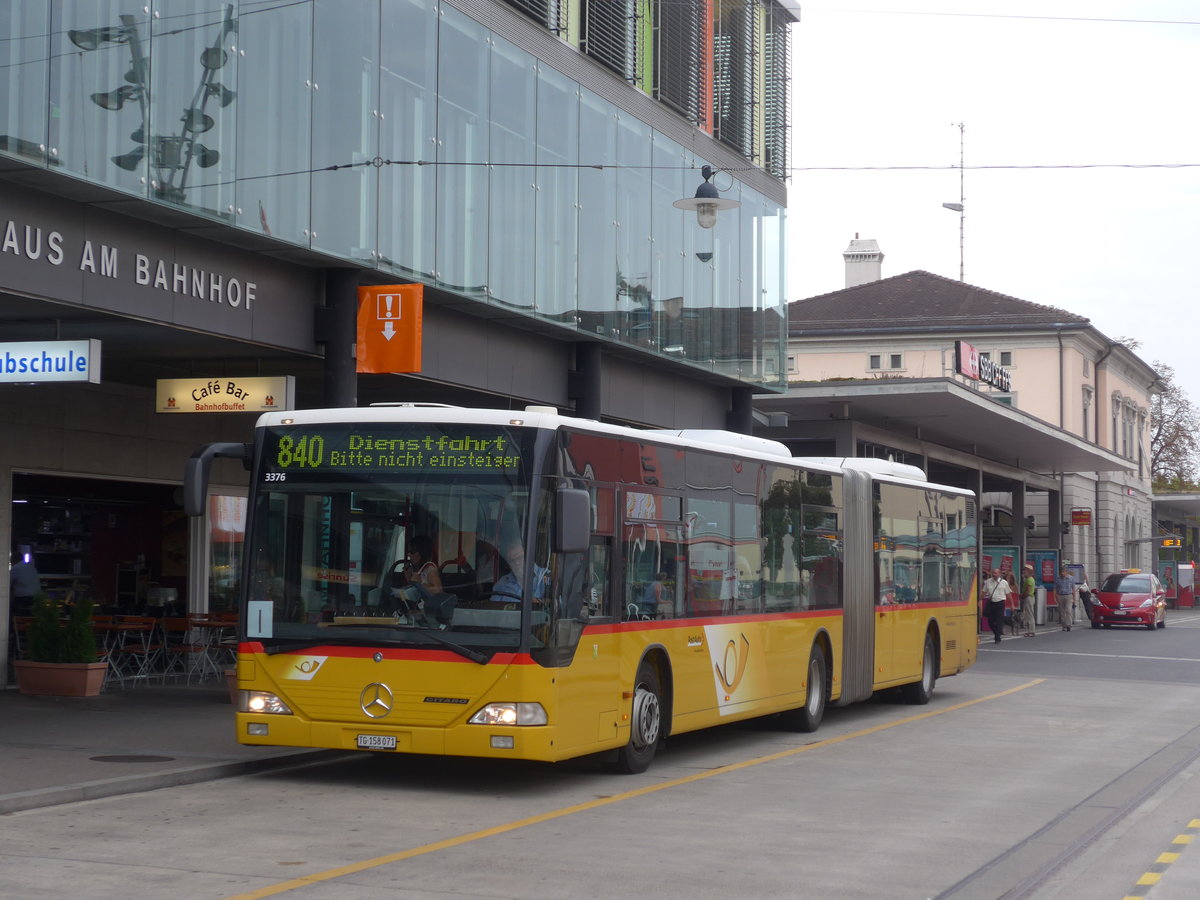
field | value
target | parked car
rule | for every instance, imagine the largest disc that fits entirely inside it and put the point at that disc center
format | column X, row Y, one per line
column 1130, row 597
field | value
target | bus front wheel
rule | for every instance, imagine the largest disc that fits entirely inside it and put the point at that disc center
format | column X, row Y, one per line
column 645, row 725
column 809, row 716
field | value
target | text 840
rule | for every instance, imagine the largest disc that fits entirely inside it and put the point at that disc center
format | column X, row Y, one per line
column 302, row 451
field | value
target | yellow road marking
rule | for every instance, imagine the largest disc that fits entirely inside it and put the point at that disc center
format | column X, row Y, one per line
column 424, row 849
column 1164, row 859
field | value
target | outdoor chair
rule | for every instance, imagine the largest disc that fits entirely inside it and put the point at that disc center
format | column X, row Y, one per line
column 139, row 650
column 185, row 649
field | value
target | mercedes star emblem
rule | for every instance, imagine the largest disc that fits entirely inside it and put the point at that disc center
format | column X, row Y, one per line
column 376, row 700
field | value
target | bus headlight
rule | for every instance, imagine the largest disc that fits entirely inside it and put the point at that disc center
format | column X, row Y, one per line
column 262, row 702
column 510, row 714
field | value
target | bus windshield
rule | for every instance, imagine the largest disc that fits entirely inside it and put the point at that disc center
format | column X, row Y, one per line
column 394, row 535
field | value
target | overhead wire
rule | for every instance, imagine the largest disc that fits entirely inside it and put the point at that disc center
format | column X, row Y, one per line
column 1020, row 16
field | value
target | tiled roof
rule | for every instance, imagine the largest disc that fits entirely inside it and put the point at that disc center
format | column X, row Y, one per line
column 917, row 300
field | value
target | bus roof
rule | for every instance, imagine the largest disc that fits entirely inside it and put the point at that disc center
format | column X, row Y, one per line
column 874, row 466
column 746, row 446
column 534, row 417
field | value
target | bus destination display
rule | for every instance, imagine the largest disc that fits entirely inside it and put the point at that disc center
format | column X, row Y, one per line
column 347, row 450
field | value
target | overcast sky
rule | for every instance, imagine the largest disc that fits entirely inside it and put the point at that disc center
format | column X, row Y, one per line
column 1065, row 84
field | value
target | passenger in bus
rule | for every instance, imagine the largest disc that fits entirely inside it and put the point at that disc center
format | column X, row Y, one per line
column 424, row 594
column 658, row 602
column 421, row 568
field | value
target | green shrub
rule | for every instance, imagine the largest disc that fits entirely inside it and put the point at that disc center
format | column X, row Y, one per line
column 79, row 641
column 52, row 640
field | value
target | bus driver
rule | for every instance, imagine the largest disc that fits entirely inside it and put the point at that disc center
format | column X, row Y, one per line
column 508, row 588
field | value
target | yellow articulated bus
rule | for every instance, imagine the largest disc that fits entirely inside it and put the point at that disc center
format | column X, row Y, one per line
column 525, row 585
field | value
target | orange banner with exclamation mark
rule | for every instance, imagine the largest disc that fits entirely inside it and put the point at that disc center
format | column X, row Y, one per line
column 389, row 328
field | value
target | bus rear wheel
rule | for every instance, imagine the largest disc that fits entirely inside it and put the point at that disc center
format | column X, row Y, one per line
column 919, row 692
column 645, row 725
column 809, row 716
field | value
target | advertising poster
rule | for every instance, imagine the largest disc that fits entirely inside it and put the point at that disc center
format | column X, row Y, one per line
column 1170, row 581
column 1185, row 577
column 1002, row 558
column 1045, row 567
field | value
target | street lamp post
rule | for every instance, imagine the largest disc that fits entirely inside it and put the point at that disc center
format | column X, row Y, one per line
column 960, row 206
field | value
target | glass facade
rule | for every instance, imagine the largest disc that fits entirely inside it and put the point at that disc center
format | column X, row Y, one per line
column 405, row 136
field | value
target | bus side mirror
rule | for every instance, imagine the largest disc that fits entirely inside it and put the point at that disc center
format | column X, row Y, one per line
column 197, row 467
column 572, row 520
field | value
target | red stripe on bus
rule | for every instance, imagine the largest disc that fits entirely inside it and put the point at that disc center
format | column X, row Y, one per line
column 659, row 624
column 928, row 604
column 432, row 654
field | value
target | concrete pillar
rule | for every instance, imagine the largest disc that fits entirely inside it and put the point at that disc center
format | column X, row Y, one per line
column 338, row 321
column 740, row 417
column 1020, row 531
column 584, row 384
column 1056, row 515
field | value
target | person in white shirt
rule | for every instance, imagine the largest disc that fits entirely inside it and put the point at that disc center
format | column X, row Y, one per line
column 24, row 583
column 995, row 594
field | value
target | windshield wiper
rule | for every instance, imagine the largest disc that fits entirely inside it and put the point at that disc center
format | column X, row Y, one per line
column 305, row 643
column 473, row 655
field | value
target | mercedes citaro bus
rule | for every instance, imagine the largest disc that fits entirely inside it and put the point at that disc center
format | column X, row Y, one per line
column 598, row 587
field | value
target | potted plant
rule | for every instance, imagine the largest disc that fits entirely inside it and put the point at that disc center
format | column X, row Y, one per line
column 61, row 659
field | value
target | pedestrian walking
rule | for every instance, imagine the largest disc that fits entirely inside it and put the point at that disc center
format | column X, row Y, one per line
column 1028, row 601
column 995, row 593
column 1064, row 592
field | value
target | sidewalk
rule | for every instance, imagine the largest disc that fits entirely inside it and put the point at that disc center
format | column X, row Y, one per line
column 1050, row 625
column 59, row 749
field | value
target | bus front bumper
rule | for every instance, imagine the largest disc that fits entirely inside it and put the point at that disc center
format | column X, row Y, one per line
column 536, row 742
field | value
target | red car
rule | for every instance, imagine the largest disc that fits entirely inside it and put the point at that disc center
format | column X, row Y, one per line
column 1130, row 597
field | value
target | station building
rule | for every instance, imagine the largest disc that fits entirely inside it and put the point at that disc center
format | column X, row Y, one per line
column 1045, row 417
column 192, row 193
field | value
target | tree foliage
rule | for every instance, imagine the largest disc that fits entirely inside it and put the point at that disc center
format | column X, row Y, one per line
column 1174, row 426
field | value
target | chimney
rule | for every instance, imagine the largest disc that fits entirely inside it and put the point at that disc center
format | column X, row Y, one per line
column 864, row 262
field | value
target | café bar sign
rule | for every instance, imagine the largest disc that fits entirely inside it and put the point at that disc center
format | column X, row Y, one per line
column 225, row 395
column 969, row 363
column 37, row 361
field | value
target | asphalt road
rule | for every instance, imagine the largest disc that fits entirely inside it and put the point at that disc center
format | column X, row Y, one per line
column 1062, row 766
